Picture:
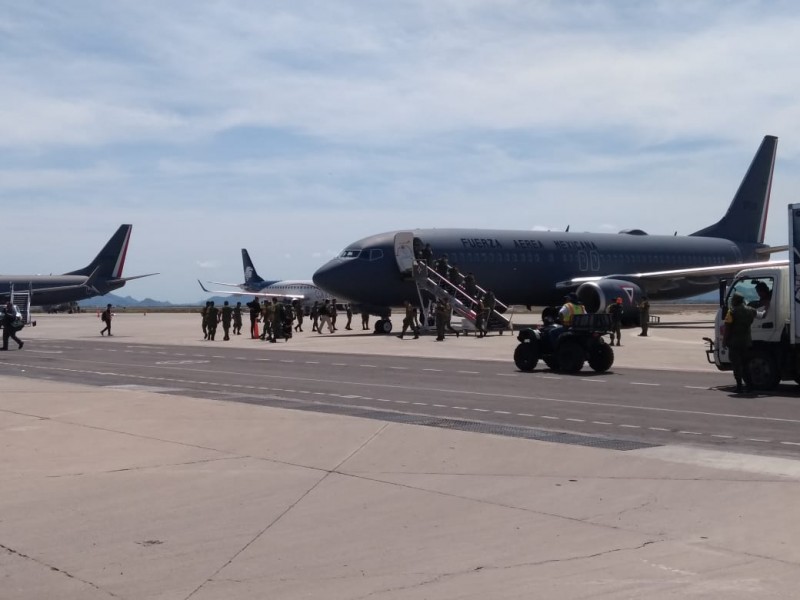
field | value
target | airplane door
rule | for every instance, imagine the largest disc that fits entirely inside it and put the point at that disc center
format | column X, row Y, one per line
column 404, row 251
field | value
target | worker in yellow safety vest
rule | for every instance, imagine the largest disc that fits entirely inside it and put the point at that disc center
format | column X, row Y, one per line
column 572, row 306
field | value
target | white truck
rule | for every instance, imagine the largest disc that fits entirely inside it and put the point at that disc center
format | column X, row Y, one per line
column 775, row 355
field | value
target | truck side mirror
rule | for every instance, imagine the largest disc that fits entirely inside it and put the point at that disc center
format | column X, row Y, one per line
column 723, row 287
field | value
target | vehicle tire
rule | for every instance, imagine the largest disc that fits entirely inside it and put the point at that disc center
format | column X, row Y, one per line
column 601, row 357
column 570, row 356
column 763, row 370
column 526, row 356
column 386, row 326
column 551, row 362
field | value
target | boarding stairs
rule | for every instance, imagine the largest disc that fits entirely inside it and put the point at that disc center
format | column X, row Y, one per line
column 439, row 287
column 22, row 300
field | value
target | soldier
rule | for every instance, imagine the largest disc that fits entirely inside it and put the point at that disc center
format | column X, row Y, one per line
column 737, row 339
column 225, row 316
column 314, row 314
column 448, row 315
column 212, row 317
column 470, row 286
column 440, row 320
column 455, row 277
column 106, row 318
column 615, row 310
column 349, row 312
column 203, row 317
column 364, row 319
column 644, row 315
column 255, row 311
column 267, row 315
column 442, row 266
column 480, row 314
column 409, row 322
column 298, row 311
column 332, row 311
column 278, row 320
column 237, row 319
column 325, row 317
column 427, row 255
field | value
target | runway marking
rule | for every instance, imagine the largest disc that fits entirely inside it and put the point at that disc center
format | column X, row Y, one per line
column 601, row 423
column 339, row 364
column 758, row 440
column 436, row 370
column 791, row 443
column 382, row 400
column 284, row 360
column 460, row 407
column 549, row 377
column 480, row 410
column 469, row 372
column 507, row 374
column 401, row 401
column 420, row 403
column 727, row 437
column 399, row 368
column 524, row 415
column 643, row 383
column 690, row 432
column 440, row 406
column 312, row 362
column 551, row 418
column 696, row 387
column 576, row 420
column 369, row 366
column 658, row 429
column 630, row 426
column 501, row 412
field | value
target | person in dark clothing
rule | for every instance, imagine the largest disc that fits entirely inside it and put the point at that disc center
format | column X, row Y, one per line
column 237, row 319
column 738, row 340
column 226, row 316
column 105, row 317
column 203, row 318
column 255, row 311
column 615, row 310
column 298, row 313
column 10, row 327
column 427, row 255
column 349, row 312
column 441, row 318
column 409, row 322
column 644, row 315
column 364, row 319
column 212, row 318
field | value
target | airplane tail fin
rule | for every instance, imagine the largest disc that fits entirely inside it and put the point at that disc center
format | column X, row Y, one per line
column 746, row 218
column 250, row 275
column 109, row 262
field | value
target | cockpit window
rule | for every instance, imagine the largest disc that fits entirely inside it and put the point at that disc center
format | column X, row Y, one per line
column 375, row 254
column 350, row 253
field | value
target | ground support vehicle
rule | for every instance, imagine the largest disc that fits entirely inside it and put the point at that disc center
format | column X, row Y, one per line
column 775, row 354
column 566, row 349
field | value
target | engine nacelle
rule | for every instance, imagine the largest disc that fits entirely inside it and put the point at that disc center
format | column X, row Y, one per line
column 597, row 295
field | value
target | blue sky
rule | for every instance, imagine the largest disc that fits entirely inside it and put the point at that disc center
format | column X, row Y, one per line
column 294, row 128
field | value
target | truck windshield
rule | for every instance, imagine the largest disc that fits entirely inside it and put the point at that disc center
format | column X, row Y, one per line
column 756, row 292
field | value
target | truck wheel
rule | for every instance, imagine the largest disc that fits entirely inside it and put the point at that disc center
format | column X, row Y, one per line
column 601, row 357
column 551, row 362
column 526, row 356
column 570, row 356
column 763, row 370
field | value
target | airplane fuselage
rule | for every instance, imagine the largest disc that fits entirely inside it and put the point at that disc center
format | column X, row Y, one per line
column 54, row 289
column 524, row 267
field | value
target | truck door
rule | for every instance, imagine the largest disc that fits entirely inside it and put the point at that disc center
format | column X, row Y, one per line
column 404, row 252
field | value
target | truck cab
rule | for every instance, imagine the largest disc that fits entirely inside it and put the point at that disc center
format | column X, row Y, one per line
column 772, row 358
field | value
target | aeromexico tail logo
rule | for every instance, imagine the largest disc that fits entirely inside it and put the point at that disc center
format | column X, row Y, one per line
column 629, row 291
column 248, row 273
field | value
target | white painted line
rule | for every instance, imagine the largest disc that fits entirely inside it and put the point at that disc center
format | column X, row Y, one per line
column 480, row 410
column 437, row 370
column 524, row 415
column 369, row 366
column 339, row 364
column 725, row 437
column 576, row 420
column 658, row 429
column 549, row 377
column 630, row 426
column 690, row 432
column 593, row 380
column 282, row 360
column 399, row 368
column 758, row 440
column 791, row 443
column 469, row 372
column 696, row 387
column 440, row 405
column 401, row 402
column 507, row 374
column 601, row 423
column 264, row 359
column 642, row 383
column 382, row 400
column 419, row 403
column 551, row 418
column 312, row 362
column 501, row 412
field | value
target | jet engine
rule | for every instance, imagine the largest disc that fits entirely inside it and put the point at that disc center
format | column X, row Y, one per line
column 597, row 295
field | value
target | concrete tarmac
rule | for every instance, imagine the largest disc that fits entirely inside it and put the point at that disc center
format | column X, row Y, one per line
column 121, row 492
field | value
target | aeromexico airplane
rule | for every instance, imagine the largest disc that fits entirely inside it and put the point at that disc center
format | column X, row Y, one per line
column 254, row 285
column 533, row 268
column 99, row 277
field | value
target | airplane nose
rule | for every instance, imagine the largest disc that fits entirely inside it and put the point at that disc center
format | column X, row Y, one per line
column 327, row 277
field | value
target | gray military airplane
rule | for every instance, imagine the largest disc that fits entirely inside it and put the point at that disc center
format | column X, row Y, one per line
column 533, row 268
column 289, row 289
column 99, row 277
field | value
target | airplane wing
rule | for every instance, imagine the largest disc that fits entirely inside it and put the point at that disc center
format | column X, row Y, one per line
column 266, row 294
column 236, row 285
column 663, row 280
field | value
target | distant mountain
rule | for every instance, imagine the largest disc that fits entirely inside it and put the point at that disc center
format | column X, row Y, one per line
column 129, row 302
